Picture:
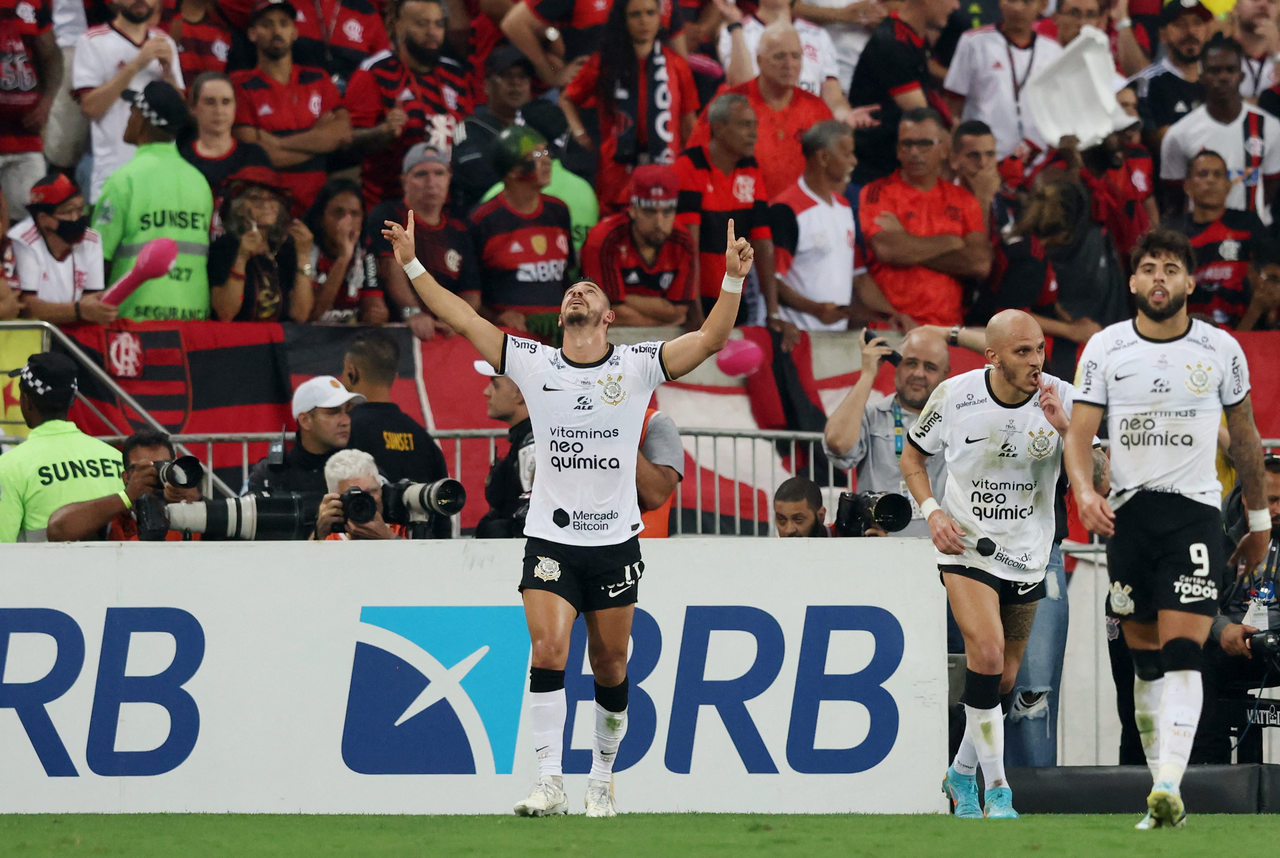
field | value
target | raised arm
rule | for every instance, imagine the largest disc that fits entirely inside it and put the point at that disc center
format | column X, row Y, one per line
column 686, row 352
column 447, row 307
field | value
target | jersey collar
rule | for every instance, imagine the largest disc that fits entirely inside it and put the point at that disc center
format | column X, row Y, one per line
column 608, row 354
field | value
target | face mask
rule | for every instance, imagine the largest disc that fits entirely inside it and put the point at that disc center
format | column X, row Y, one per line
column 71, row 231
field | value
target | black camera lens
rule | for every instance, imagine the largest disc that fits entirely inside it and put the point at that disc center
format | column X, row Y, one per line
column 358, row 506
column 184, row 472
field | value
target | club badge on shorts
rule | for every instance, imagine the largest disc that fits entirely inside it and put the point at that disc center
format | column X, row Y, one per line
column 547, row 569
column 1120, row 601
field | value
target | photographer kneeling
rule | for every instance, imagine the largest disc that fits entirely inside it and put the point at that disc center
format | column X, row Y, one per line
column 139, row 505
column 353, row 507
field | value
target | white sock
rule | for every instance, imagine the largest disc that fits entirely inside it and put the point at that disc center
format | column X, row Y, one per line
column 610, row 728
column 966, row 761
column 1179, row 715
column 1147, row 694
column 985, row 729
column 547, row 712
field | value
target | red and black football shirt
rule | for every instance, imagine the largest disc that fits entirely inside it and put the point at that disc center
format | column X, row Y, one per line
column 611, row 259
column 202, row 46
column 444, row 249
column 524, row 259
column 709, row 198
column 1225, row 249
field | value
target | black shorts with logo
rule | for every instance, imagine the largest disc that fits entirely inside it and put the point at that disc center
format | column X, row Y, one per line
column 1010, row 592
column 1168, row 554
column 589, row 577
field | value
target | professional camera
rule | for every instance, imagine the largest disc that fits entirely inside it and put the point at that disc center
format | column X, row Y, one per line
column 285, row 516
column 421, row 506
column 184, row 472
column 1265, row 644
column 358, row 506
column 857, row 512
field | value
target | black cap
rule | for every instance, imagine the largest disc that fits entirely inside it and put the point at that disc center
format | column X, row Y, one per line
column 161, row 105
column 503, row 58
column 262, row 7
column 49, row 376
column 1175, row 9
column 547, row 119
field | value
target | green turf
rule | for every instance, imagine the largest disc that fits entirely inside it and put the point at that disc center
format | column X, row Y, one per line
column 144, row 835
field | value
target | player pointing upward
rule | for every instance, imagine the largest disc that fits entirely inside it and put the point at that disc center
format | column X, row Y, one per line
column 587, row 402
column 1164, row 381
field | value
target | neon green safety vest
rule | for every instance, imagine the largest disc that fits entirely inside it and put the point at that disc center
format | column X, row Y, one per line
column 57, row 465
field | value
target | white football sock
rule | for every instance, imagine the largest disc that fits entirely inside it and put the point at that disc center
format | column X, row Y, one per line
column 985, row 728
column 547, row 712
column 966, row 761
column 1147, row 694
column 610, row 728
column 1179, row 715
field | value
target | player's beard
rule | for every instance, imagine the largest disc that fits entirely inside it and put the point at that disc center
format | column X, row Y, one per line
column 1171, row 308
column 422, row 54
column 584, row 317
column 276, row 50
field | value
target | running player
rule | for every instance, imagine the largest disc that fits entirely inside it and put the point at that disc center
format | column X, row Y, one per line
column 1164, row 381
column 587, row 402
column 1001, row 430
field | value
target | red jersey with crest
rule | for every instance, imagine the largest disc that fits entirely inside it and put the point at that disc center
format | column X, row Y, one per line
column 610, row 258
column 524, row 259
column 20, row 22
column 1225, row 248
column 709, row 198
column 202, row 46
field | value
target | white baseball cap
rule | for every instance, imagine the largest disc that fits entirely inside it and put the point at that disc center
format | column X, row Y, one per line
column 323, row 391
column 485, row 368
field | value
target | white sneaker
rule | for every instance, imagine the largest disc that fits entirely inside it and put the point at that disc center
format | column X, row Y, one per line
column 600, row 798
column 547, row 799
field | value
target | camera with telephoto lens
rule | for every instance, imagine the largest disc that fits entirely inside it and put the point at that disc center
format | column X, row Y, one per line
column 1265, row 644
column 358, row 507
column 420, row 506
column 184, row 472
column 291, row 515
column 857, row 512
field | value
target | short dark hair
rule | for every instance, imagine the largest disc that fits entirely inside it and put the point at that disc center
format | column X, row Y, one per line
column 145, row 438
column 1221, row 42
column 970, row 128
column 917, row 115
column 799, row 489
column 1271, row 463
column 1159, row 241
column 377, row 354
column 1205, row 153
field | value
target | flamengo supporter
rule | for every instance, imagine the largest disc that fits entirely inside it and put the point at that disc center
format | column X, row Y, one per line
column 994, row 529
column 292, row 111
column 114, row 516
column 645, row 96
column 720, row 181
column 415, row 94
column 339, row 35
column 349, row 470
column 924, row 233
column 157, row 195
column 642, row 260
column 510, row 480
column 582, row 555
column 57, row 464
column 872, row 436
column 848, row 24
column 443, row 241
column 344, row 274
column 1225, row 243
column 212, row 149
column 32, row 76
column 110, row 58
column 257, row 271
column 202, row 34
column 1257, row 33
column 990, row 69
column 522, row 235
column 508, row 76
column 893, row 73
column 1247, row 138
column 798, row 509
column 813, row 234
column 1170, row 89
column 1164, row 381
column 57, row 258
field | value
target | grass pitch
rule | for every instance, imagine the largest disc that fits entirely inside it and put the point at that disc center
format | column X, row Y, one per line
column 184, row 835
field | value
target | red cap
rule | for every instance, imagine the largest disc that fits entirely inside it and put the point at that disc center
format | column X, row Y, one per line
column 257, row 175
column 654, row 186
column 53, row 190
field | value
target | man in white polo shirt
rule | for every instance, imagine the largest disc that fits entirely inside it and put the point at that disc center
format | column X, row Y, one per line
column 813, row 233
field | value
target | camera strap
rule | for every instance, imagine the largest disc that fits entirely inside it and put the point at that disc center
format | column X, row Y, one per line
column 899, row 434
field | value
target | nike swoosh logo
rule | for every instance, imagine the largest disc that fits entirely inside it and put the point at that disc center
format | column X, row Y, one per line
column 553, row 389
column 1187, row 601
column 969, row 440
column 613, row 592
column 1024, row 589
column 1119, row 377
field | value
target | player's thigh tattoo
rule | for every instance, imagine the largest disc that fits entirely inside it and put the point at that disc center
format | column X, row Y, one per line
column 1017, row 620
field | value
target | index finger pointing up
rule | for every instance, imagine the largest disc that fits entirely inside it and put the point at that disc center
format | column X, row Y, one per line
column 732, row 238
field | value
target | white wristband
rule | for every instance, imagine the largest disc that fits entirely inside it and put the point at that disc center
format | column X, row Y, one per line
column 928, row 508
column 731, row 284
column 1259, row 520
column 414, row 268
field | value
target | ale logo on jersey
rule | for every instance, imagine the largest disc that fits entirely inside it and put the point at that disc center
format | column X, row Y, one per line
column 436, row 690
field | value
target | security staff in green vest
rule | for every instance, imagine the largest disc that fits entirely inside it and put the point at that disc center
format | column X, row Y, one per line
column 57, row 464
column 157, row 195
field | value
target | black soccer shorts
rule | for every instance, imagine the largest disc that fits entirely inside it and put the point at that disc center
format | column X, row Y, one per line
column 1168, row 554
column 1010, row 592
column 589, row 577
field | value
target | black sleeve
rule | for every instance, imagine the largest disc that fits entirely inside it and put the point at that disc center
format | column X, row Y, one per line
column 222, row 255
column 469, row 276
column 786, row 232
column 378, row 245
column 437, row 468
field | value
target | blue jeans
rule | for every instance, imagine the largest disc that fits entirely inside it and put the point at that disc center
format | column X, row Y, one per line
column 1031, row 727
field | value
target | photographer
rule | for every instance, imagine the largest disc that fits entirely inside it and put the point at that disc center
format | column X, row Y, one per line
column 509, row 483
column 116, row 515
column 798, row 509
column 871, row 436
column 350, row 474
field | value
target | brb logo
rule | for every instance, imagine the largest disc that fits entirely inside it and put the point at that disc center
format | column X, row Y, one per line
column 436, row 690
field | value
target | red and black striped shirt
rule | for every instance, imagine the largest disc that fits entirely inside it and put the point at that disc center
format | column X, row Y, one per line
column 610, row 257
column 1225, row 248
column 202, row 46
column 709, row 198
column 21, row 21
column 443, row 249
column 524, row 259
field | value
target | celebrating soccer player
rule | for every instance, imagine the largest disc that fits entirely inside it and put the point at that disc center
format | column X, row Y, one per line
column 1001, row 430
column 1164, row 381
column 587, row 402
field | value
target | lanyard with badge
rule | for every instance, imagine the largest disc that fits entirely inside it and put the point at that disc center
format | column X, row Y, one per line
column 1019, row 84
column 899, row 437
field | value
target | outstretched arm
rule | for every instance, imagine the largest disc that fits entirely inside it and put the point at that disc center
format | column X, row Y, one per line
column 686, row 352
column 446, row 306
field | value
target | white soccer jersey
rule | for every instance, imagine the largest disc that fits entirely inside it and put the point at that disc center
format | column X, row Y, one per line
column 1238, row 146
column 819, row 52
column 100, row 54
column 1164, row 401
column 823, row 264
column 1003, row 463
column 991, row 73
column 587, row 421
column 48, row 279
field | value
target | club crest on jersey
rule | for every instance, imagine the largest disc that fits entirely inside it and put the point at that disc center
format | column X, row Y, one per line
column 1041, row 443
column 547, row 569
column 744, row 189
column 1121, row 603
column 611, row 389
column 539, row 244
column 1229, row 249
column 1198, row 378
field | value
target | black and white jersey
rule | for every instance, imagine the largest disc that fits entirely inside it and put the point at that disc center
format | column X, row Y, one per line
column 587, row 422
column 1003, row 463
column 1164, row 401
